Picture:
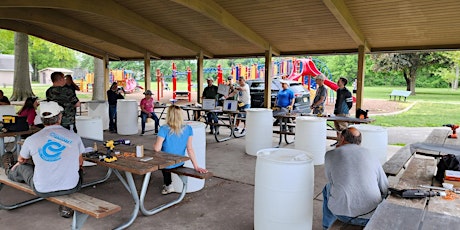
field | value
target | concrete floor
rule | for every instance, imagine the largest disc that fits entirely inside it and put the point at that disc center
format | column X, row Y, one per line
column 226, row 202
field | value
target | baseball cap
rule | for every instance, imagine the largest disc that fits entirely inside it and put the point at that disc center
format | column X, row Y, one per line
column 51, row 107
column 210, row 79
column 284, row 82
column 321, row 77
column 148, row 92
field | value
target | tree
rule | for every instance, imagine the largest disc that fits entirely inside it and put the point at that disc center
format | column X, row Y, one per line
column 409, row 64
column 6, row 42
column 22, row 88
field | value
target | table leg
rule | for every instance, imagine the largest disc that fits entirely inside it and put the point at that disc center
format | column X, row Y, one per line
column 105, row 178
column 2, row 146
column 133, row 191
column 160, row 208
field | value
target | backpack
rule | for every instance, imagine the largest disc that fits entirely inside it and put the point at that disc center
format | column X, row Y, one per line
column 447, row 162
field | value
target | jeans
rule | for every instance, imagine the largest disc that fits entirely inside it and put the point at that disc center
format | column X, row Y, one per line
column 25, row 173
column 329, row 217
column 144, row 117
column 112, row 117
column 211, row 117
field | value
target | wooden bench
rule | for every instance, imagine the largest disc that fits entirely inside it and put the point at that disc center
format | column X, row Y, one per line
column 82, row 204
column 190, row 172
column 182, row 93
column 397, row 162
column 400, row 93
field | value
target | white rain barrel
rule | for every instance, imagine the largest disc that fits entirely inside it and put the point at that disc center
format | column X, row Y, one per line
column 283, row 193
column 259, row 130
column 89, row 127
column 127, row 117
column 310, row 136
column 199, row 146
column 374, row 138
column 99, row 109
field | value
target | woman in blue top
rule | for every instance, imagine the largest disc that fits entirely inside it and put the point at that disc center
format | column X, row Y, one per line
column 175, row 137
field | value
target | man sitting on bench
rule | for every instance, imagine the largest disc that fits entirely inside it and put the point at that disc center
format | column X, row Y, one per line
column 56, row 154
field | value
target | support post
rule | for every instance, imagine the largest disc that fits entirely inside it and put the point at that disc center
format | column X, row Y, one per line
column 200, row 76
column 360, row 77
column 147, row 78
column 268, row 78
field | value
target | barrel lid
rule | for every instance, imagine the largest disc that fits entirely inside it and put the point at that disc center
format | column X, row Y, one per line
column 310, row 119
column 369, row 128
column 284, row 155
column 257, row 110
column 195, row 124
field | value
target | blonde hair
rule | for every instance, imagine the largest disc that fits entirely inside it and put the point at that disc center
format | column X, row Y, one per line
column 174, row 119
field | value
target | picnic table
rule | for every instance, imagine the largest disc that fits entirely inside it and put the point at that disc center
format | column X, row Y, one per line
column 132, row 165
column 17, row 138
column 428, row 213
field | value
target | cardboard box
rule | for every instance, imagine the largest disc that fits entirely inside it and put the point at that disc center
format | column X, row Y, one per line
column 452, row 175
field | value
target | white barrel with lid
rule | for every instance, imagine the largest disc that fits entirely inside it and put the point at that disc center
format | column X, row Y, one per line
column 310, row 135
column 99, row 109
column 89, row 127
column 374, row 138
column 199, row 147
column 127, row 117
column 259, row 130
column 283, row 193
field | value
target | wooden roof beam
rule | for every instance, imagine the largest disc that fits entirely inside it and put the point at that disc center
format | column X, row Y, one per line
column 52, row 17
column 343, row 15
column 218, row 14
column 45, row 34
column 113, row 10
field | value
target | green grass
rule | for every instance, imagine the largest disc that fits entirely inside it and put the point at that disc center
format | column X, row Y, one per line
column 434, row 106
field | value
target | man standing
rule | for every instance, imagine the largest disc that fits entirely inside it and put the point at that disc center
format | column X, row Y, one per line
column 113, row 94
column 66, row 98
column 285, row 98
column 320, row 97
column 356, row 182
column 56, row 154
column 210, row 92
column 343, row 104
column 244, row 100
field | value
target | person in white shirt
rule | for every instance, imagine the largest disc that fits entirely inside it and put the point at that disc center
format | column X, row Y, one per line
column 244, row 100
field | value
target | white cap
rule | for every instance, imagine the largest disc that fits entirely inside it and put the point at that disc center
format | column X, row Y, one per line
column 51, row 107
column 284, row 82
column 321, row 77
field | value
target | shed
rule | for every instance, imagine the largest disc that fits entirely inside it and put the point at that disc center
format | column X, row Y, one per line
column 7, row 69
column 44, row 75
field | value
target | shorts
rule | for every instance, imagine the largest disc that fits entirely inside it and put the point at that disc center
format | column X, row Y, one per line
column 243, row 108
column 341, row 125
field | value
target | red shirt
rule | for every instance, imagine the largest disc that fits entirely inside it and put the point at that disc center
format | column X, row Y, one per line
column 30, row 114
column 148, row 104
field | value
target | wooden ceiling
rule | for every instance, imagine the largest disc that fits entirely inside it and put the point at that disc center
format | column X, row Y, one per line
column 175, row 29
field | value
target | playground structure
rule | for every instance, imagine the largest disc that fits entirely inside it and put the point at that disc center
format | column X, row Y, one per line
column 124, row 78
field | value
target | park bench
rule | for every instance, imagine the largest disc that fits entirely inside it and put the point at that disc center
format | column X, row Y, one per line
column 190, row 172
column 83, row 205
column 182, row 93
column 398, row 161
column 400, row 93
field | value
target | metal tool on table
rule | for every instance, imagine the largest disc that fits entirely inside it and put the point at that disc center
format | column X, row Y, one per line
column 439, row 188
column 415, row 193
column 454, row 128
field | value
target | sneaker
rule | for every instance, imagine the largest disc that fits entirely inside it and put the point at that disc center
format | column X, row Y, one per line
column 167, row 189
column 7, row 161
column 243, row 131
column 211, row 132
column 236, row 129
column 142, row 133
column 65, row 211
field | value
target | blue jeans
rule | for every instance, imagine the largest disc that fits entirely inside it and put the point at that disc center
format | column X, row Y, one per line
column 211, row 118
column 144, row 117
column 112, row 117
column 329, row 217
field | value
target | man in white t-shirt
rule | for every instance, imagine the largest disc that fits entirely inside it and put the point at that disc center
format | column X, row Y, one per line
column 56, row 153
column 244, row 100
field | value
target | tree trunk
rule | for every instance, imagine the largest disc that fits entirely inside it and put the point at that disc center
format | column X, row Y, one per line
column 455, row 83
column 22, row 88
column 407, row 79
column 98, row 87
column 412, row 77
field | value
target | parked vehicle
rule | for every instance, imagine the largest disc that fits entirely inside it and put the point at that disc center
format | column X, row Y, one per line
column 257, row 87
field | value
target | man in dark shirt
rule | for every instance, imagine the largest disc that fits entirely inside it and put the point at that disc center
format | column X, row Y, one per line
column 113, row 94
column 66, row 98
column 343, row 104
column 3, row 99
column 210, row 92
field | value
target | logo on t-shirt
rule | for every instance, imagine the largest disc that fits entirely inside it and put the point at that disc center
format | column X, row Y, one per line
column 51, row 151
